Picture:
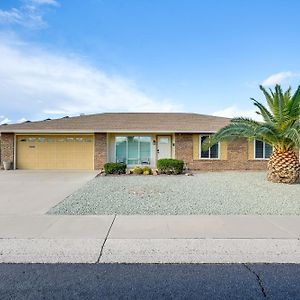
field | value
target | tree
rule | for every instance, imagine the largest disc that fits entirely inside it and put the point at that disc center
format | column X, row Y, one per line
column 280, row 128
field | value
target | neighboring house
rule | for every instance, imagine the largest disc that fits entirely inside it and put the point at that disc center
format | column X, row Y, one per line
column 87, row 142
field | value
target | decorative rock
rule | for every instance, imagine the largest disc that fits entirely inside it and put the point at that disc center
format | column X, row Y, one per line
column 208, row 193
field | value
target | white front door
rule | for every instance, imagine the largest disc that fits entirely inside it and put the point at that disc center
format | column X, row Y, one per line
column 164, row 146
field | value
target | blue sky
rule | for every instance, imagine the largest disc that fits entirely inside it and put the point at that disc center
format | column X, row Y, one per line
column 69, row 57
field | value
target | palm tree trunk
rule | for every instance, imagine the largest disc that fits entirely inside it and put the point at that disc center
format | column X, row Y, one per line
column 284, row 167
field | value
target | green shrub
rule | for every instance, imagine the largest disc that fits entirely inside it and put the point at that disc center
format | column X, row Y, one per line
column 147, row 171
column 170, row 166
column 137, row 171
column 115, row 168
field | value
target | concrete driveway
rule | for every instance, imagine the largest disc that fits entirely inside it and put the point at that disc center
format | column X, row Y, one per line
column 35, row 192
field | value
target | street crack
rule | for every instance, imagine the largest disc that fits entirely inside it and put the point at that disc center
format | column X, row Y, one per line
column 258, row 279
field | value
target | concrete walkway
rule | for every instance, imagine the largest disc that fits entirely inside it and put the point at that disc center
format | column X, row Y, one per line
column 150, row 239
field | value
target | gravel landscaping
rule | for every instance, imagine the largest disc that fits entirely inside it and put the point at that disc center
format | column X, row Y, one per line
column 216, row 193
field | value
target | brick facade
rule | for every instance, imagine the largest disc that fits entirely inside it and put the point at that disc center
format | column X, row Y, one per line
column 100, row 150
column 7, row 148
column 237, row 156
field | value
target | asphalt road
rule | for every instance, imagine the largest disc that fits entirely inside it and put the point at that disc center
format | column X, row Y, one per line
column 149, row 281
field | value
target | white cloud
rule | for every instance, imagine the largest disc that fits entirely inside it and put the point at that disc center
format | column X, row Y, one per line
column 35, row 83
column 22, row 120
column 10, row 16
column 4, row 120
column 48, row 2
column 278, row 78
column 29, row 14
column 234, row 111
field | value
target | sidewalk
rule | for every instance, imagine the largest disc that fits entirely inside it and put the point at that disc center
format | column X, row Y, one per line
column 149, row 239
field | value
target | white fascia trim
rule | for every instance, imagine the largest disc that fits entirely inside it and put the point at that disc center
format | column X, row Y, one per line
column 103, row 131
column 157, row 131
column 50, row 131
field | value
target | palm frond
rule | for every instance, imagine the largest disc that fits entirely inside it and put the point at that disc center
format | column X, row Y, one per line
column 280, row 126
column 263, row 111
column 287, row 93
column 238, row 128
column 268, row 97
column 294, row 104
column 278, row 95
column 293, row 134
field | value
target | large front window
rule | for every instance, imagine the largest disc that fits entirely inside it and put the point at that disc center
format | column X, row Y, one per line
column 133, row 150
column 262, row 150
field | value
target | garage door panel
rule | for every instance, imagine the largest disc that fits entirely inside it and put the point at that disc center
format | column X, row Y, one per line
column 28, row 149
column 74, row 152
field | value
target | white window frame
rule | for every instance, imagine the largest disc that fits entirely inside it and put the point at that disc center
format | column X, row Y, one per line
column 138, row 151
column 128, row 158
column 264, row 151
column 200, row 147
column 115, row 148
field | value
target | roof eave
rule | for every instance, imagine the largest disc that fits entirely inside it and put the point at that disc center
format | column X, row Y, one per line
column 28, row 131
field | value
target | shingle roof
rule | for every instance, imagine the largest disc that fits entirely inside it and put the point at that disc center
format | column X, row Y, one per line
column 121, row 122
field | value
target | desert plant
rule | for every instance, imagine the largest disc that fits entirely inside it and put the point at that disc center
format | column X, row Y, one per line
column 115, row 168
column 170, row 166
column 137, row 170
column 280, row 128
column 147, row 170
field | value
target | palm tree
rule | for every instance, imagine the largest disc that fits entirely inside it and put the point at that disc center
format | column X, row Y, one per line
column 280, row 128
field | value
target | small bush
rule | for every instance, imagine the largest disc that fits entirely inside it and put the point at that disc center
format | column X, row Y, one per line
column 115, row 168
column 137, row 171
column 170, row 166
column 147, row 171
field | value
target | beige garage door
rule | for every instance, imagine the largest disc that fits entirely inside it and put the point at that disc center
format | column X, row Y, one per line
column 55, row 152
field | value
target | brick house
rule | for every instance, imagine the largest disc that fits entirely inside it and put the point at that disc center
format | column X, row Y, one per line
column 87, row 142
